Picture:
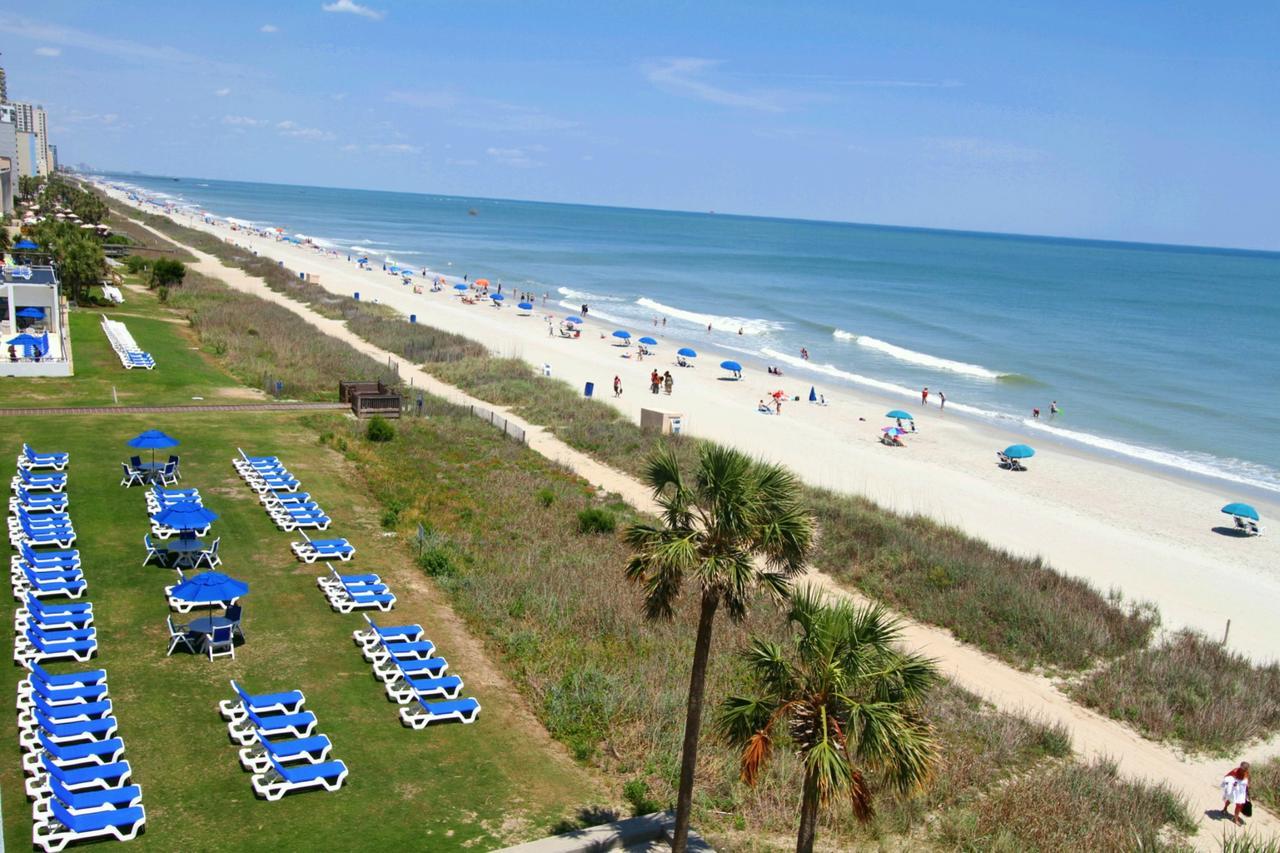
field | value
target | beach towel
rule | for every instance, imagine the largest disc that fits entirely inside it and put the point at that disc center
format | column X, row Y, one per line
column 1234, row 791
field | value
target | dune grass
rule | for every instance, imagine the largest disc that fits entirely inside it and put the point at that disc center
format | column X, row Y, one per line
column 1070, row 806
column 448, row 788
column 1264, row 783
column 1191, row 690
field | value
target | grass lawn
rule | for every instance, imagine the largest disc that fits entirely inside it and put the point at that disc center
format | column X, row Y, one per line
column 448, row 787
column 183, row 370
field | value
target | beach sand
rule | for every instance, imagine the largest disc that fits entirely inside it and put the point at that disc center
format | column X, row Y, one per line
column 1117, row 525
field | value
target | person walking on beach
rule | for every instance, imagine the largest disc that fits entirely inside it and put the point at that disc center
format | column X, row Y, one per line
column 667, row 381
column 584, row 309
column 942, row 401
column 654, row 381
column 664, row 322
column 1235, row 791
column 617, row 386
column 924, row 396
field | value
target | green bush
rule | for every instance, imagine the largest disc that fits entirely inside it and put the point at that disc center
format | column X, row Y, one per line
column 636, row 792
column 546, row 497
column 166, row 272
column 437, row 562
column 117, row 240
column 380, row 429
column 596, row 520
column 136, row 264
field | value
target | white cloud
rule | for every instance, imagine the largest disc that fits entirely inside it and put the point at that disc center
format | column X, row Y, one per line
column 683, row 75
column 48, row 51
column 354, row 9
column 244, row 121
column 292, row 128
column 223, row 92
column 150, row 55
column 518, row 157
column 268, row 28
column 483, row 113
column 395, row 148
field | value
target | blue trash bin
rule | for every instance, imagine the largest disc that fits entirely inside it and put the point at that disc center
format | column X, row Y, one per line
column 413, row 318
column 589, row 390
column 357, row 296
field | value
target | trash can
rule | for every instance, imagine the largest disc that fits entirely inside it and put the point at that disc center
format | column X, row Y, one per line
column 589, row 390
column 357, row 295
column 413, row 318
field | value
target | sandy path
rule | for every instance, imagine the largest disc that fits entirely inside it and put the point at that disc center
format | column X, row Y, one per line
column 1006, row 688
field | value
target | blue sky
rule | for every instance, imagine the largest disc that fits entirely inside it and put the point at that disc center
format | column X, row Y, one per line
column 1137, row 121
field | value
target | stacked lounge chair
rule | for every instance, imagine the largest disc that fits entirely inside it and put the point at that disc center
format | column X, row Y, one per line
column 406, row 663
column 131, row 355
column 278, row 743
column 277, row 489
column 347, row 593
column 77, row 779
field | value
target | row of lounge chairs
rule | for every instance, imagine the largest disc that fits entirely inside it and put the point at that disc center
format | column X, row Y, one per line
column 348, row 593
column 405, row 661
column 278, row 743
column 131, row 355
column 277, row 489
column 77, row 778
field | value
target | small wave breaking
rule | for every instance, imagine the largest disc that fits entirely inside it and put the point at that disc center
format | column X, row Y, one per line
column 748, row 325
column 921, row 359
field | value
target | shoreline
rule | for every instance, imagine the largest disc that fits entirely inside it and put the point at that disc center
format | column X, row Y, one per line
column 1074, row 507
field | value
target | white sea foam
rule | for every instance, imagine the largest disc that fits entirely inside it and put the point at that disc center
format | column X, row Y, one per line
column 748, row 325
column 586, row 296
column 921, row 359
column 595, row 313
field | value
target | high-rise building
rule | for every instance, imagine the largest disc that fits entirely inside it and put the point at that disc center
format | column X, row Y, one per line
column 28, row 159
column 8, row 159
column 53, row 158
column 4, row 88
column 31, row 119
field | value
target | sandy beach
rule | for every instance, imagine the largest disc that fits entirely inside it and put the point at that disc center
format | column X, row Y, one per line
column 1150, row 535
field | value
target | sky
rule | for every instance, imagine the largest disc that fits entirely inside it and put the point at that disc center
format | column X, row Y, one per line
column 1120, row 120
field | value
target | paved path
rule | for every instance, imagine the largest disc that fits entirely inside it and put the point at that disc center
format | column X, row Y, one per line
column 142, row 410
column 1008, row 689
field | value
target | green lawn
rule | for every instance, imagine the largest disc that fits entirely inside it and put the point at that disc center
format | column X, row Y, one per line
column 449, row 787
column 182, row 370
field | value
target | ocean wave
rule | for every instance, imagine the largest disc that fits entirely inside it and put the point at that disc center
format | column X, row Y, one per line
column 586, row 296
column 595, row 313
column 836, row 373
column 921, row 359
column 1202, row 464
column 747, row 325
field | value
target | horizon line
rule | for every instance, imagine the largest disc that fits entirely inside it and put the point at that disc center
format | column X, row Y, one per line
column 1198, row 247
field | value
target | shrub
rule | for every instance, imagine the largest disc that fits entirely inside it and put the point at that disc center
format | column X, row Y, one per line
column 380, row 429
column 596, row 520
column 117, row 240
column 437, row 562
column 546, row 497
column 137, row 264
column 636, row 792
column 166, row 272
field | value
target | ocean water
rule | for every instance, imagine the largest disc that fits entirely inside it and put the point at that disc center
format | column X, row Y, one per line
column 1163, row 354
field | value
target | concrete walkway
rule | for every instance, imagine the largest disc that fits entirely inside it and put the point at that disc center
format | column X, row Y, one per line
column 1008, row 689
column 143, row 410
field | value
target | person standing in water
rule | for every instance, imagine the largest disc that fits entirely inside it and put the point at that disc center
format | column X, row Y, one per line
column 924, row 396
column 942, row 401
column 1053, row 409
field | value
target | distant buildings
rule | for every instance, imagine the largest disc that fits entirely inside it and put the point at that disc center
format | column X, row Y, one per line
column 24, row 144
column 53, row 158
column 31, row 119
column 8, row 156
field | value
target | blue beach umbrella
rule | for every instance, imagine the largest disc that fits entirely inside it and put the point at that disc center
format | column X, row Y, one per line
column 153, row 440
column 31, row 313
column 1019, row 451
column 459, row 286
column 622, row 335
column 687, row 352
column 900, row 415
column 26, row 341
column 24, row 243
column 577, row 320
column 648, row 341
column 497, row 297
column 731, row 365
column 210, row 588
column 1241, row 510
column 186, row 515
column 525, row 306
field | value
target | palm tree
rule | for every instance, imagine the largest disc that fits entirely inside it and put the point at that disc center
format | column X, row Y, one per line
column 845, row 697
column 735, row 527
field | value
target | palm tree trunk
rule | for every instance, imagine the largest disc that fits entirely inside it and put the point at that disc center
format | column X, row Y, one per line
column 693, row 720
column 808, row 813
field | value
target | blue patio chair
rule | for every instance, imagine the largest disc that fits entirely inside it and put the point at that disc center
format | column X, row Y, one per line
column 220, row 643
column 180, row 636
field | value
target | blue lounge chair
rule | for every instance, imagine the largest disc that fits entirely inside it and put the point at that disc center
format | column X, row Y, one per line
column 31, row 459
column 245, row 730
column 310, row 550
column 389, row 670
column 62, row 827
column 68, row 733
column 71, row 756
column 55, row 482
column 57, row 697
column 51, row 616
column 421, row 713
column 48, row 502
column 81, row 802
column 34, row 644
column 59, row 714
column 375, row 632
column 67, row 679
column 40, row 588
column 312, row 750
column 385, row 650
column 408, row 687
column 68, row 558
column 288, row 702
column 281, row 779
